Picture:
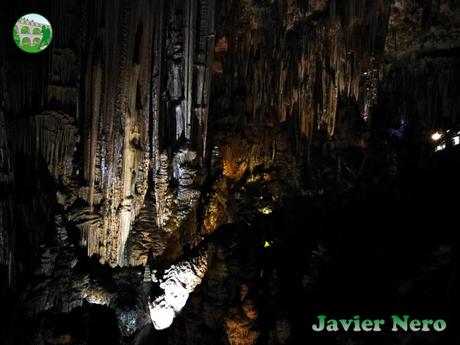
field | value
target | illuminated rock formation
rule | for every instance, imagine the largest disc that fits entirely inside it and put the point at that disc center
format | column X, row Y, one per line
column 179, row 163
column 177, row 283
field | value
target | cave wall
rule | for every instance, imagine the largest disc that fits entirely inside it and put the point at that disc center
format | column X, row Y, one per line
column 336, row 101
column 294, row 83
column 336, row 81
column 149, row 125
column 125, row 127
column 102, row 152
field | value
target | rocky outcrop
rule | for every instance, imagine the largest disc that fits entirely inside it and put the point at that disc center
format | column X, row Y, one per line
column 117, row 143
column 122, row 134
column 296, row 68
column 177, row 283
column 64, row 281
column 225, row 305
column 150, row 158
column 293, row 83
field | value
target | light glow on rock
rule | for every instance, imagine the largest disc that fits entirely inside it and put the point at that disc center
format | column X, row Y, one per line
column 162, row 316
column 440, row 147
column 178, row 282
column 97, row 296
column 266, row 210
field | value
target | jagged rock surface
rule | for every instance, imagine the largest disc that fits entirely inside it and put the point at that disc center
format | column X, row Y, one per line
column 177, row 283
column 150, row 125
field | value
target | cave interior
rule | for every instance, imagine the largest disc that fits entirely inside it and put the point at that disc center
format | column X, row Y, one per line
column 220, row 172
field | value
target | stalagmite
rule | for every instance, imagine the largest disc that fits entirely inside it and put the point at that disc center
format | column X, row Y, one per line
column 177, row 283
column 175, row 163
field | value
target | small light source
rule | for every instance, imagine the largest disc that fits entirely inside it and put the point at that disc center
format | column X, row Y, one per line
column 456, row 140
column 436, row 136
column 267, row 244
column 440, row 147
column 266, row 210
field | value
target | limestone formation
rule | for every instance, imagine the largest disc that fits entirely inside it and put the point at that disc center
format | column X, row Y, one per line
column 202, row 171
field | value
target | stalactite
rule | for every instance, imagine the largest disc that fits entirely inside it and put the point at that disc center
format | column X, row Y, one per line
column 157, row 83
column 315, row 61
column 50, row 138
column 189, row 50
column 7, row 233
column 94, row 93
column 27, row 94
column 183, row 47
column 206, row 56
column 117, row 146
column 113, row 124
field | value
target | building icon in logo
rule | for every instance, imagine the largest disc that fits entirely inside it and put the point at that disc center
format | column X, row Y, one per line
column 32, row 33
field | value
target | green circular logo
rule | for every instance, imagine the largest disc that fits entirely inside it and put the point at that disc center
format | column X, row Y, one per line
column 32, row 33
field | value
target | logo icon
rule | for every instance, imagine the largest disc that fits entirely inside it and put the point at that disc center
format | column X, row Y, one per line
column 32, row 33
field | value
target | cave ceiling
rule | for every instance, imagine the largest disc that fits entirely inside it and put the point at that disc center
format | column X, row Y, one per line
column 155, row 153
